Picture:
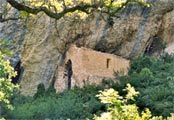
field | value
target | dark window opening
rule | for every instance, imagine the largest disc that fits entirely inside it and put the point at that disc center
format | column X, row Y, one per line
column 107, row 62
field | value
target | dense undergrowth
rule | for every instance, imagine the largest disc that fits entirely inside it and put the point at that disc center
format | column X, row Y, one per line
column 78, row 103
column 152, row 77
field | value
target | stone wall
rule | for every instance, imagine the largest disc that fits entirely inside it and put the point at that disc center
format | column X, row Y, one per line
column 89, row 66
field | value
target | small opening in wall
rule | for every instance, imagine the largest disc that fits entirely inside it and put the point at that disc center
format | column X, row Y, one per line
column 107, row 62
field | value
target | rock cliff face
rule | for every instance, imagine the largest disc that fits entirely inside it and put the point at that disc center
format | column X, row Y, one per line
column 40, row 42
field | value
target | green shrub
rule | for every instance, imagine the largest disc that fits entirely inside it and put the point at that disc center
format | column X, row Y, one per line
column 119, row 107
column 78, row 103
column 40, row 91
column 154, row 79
column 141, row 62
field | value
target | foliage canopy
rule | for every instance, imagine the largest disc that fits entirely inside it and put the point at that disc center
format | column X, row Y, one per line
column 121, row 108
column 75, row 104
column 154, row 79
column 59, row 8
column 6, row 87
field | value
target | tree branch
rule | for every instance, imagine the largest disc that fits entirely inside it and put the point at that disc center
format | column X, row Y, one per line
column 80, row 7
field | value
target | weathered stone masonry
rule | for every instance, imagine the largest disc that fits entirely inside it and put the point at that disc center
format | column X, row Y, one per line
column 84, row 65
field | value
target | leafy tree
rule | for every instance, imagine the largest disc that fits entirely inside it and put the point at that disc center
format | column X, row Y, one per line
column 6, row 87
column 59, row 8
column 119, row 108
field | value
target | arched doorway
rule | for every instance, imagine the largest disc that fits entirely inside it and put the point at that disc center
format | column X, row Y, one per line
column 68, row 73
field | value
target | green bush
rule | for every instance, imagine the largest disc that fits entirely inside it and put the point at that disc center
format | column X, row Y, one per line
column 40, row 91
column 120, row 108
column 7, row 88
column 78, row 103
column 154, row 79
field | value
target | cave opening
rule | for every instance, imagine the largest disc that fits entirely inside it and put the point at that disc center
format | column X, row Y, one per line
column 155, row 46
column 18, row 69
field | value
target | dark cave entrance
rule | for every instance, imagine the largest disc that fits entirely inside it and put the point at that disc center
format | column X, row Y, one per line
column 156, row 45
column 19, row 70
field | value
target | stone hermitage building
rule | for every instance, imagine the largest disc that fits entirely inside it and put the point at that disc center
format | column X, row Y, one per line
column 85, row 66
